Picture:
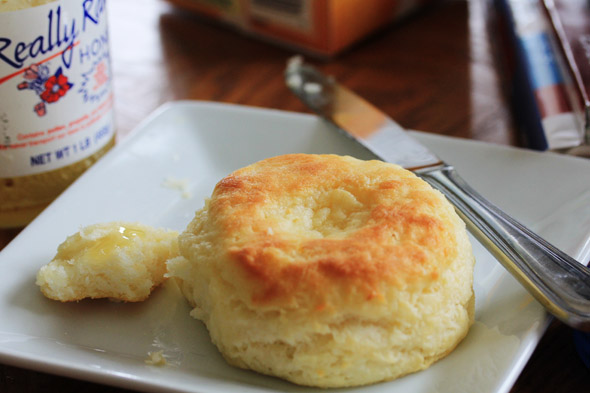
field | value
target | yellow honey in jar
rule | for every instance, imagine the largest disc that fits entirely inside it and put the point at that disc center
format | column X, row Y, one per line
column 56, row 116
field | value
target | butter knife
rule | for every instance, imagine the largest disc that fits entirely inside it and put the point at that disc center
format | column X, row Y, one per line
column 557, row 281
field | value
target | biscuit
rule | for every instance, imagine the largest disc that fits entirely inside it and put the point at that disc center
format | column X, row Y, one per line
column 328, row 271
column 117, row 260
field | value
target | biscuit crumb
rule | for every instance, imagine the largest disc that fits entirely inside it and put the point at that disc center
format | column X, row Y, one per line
column 179, row 185
column 156, row 359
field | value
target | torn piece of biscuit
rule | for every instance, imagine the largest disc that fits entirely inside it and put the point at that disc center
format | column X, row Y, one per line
column 117, row 260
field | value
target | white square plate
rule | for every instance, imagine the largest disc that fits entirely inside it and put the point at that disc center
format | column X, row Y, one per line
column 200, row 143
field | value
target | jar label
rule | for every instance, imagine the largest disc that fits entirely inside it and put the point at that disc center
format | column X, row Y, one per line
column 55, row 86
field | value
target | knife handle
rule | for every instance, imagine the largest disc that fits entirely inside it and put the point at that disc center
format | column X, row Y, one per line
column 556, row 280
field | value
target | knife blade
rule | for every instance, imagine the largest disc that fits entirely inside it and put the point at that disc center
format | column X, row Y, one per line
column 357, row 117
column 557, row 281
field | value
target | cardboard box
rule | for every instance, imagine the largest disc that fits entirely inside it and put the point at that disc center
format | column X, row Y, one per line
column 319, row 27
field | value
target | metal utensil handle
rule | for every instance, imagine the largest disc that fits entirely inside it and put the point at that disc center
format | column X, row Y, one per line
column 556, row 280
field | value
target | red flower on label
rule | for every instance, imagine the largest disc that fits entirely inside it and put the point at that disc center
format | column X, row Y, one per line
column 49, row 88
column 56, row 87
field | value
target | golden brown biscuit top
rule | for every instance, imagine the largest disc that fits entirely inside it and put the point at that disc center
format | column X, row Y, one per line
column 300, row 226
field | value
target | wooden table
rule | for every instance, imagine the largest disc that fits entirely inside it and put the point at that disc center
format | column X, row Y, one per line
column 435, row 72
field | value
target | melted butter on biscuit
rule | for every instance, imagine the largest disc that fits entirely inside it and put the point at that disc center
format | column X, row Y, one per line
column 105, row 246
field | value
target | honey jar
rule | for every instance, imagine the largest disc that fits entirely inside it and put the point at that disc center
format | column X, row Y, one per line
column 56, row 102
